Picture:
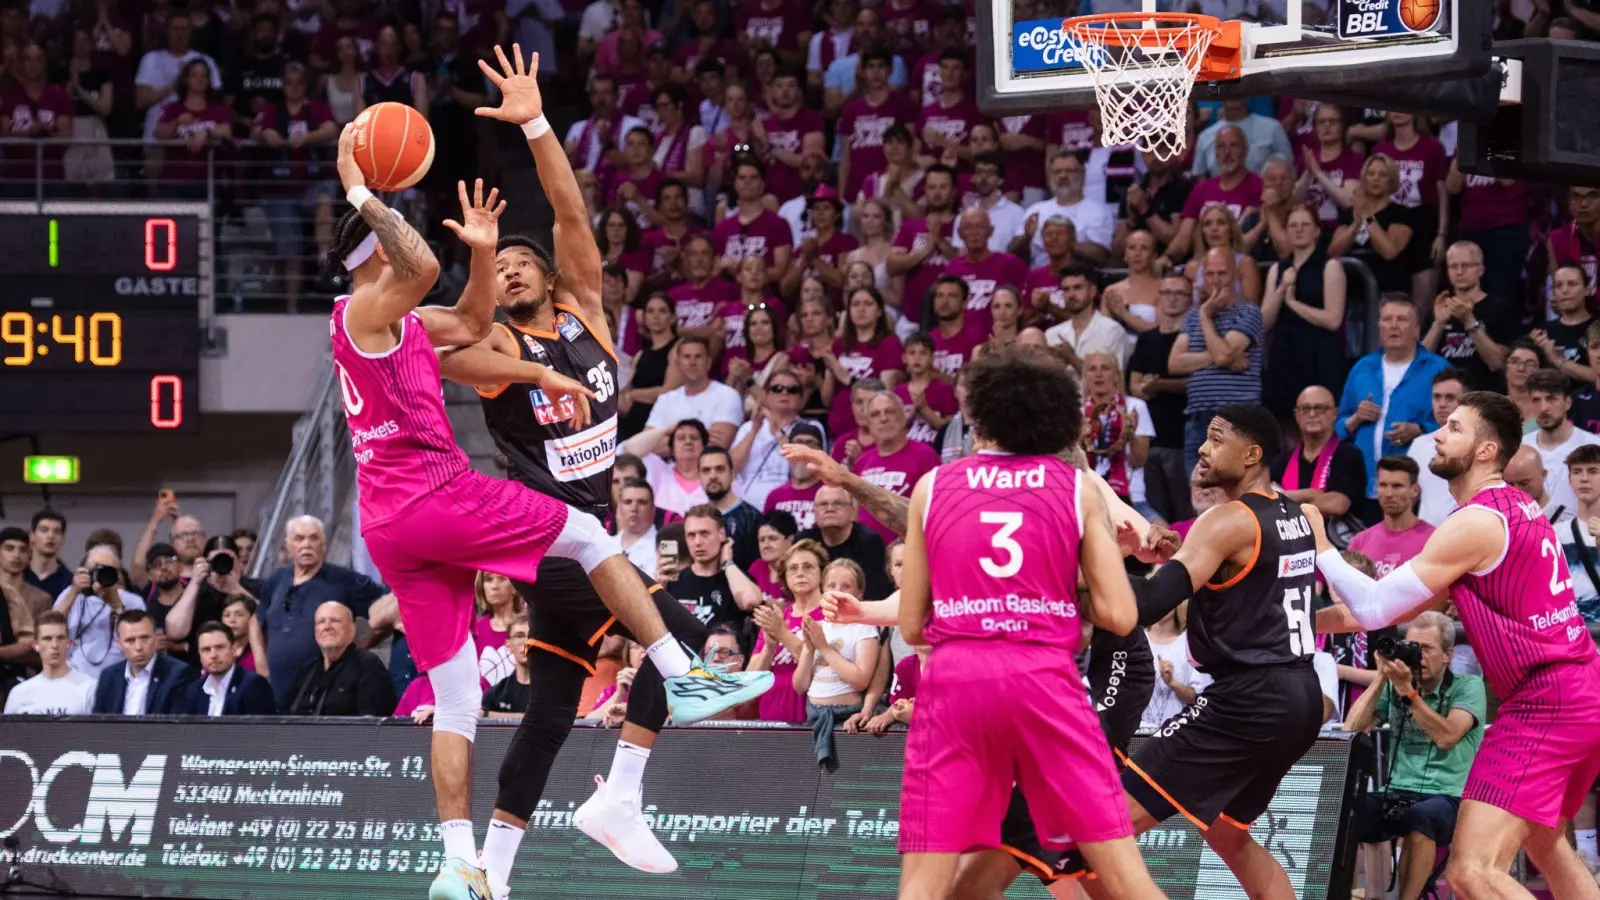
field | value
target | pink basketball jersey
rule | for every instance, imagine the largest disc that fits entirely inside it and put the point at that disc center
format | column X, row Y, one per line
column 1520, row 614
column 1002, row 541
column 394, row 401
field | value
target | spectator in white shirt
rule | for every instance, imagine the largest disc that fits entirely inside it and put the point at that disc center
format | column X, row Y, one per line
column 714, row 404
column 92, row 604
column 155, row 83
column 225, row 688
column 761, row 467
column 988, row 179
column 58, row 690
column 1086, row 328
column 1551, row 394
column 1264, row 134
column 675, row 478
column 599, row 19
column 1448, row 386
column 603, row 131
column 636, row 523
column 1095, row 220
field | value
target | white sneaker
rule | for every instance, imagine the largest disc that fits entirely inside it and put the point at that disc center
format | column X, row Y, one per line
column 618, row 823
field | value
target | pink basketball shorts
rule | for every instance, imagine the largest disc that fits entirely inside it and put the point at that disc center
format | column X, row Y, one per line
column 1541, row 755
column 991, row 714
column 430, row 554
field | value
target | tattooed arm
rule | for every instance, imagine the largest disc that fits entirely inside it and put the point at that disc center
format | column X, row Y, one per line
column 410, row 274
column 887, row 507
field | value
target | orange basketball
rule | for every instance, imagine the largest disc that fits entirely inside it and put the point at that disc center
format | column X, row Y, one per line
column 1419, row 15
column 394, row 146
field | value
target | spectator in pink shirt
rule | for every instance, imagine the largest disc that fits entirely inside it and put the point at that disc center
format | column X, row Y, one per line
column 929, row 399
column 798, row 496
column 1043, row 285
column 867, row 349
column 1392, row 543
column 1329, row 165
column 663, row 245
column 894, row 462
column 822, row 254
column 34, row 108
column 1005, row 307
column 898, row 182
column 983, row 269
column 608, row 55
column 498, row 603
column 922, row 246
column 945, row 123
column 635, row 184
column 774, row 537
column 701, row 299
column 617, row 236
column 782, row 25
column 864, row 120
column 679, row 140
column 752, row 276
column 955, row 336
column 779, row 644
column 1235, row 187
column 199, row 119
column 752, row 229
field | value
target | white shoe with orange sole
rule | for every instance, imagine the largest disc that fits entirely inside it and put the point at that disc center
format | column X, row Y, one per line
column 618, row 823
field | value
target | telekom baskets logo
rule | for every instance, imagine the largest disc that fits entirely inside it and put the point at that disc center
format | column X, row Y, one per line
column 1044, row 45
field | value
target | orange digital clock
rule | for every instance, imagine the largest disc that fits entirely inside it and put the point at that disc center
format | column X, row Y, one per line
column 99, row 343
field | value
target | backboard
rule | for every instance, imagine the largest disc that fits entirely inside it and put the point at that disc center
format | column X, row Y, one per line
column 1027, row 64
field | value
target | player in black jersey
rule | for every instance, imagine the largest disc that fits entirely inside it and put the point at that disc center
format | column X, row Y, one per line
column 555, row 319
column 1250, row 567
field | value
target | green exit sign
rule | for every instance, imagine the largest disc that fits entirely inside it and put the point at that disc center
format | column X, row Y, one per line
column 50, row 469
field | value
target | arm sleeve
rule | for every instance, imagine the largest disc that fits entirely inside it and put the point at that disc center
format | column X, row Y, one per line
column 1162, row 593
column 1373, row 603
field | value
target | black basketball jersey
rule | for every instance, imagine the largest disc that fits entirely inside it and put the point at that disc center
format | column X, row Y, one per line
column 1262, row 615
column 534, row 431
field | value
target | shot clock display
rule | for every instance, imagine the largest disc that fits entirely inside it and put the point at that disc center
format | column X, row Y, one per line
column 100, row 316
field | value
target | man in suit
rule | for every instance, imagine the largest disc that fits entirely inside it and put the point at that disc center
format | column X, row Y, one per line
column 145, row 683
column 344, row 680
column 226, row 689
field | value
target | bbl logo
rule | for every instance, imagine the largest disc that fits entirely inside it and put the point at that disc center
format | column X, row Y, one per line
column 1386, row 18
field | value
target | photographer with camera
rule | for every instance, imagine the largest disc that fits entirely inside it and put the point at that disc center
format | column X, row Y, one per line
column 218, row 575
column 92, row 603
column 1437, row 719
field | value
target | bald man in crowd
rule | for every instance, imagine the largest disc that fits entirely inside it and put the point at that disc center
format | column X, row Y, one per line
column 343, row 680
column 1526, row 471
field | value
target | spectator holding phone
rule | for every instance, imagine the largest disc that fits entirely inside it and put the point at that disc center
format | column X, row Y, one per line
column 711, row 587
column 835, row 664
column 92, row 603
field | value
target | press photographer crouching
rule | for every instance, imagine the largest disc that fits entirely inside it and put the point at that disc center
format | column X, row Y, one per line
column 1437, row 722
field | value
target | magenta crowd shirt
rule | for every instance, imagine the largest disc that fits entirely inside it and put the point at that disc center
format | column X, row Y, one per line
column 940, row 397
column 982, row 278
column 896, row 473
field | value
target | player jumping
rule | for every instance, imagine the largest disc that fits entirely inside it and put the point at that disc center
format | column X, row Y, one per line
column 1014, row 616
column 558, row 321
column 1501, row 563
column 1249, row 566
column 431, row 522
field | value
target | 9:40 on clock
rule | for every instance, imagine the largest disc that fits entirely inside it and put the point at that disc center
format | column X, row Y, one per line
column 101, row 315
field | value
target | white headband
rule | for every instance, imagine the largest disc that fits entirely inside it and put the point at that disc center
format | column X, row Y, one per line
column 366, row 248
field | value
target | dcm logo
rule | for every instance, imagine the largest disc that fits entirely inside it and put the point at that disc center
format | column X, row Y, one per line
column 125, row 810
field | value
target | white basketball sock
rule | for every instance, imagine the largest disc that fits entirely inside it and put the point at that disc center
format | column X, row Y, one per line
column 458, row 840
column 500, row 852
column 627, row 769
column 669, row 657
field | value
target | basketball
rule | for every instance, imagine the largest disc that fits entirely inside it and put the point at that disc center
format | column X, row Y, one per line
column 1419, row 15
column 394, row 146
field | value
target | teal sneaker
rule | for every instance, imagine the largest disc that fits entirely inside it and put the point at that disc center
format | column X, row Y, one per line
column 460, row 880
column 703, row 692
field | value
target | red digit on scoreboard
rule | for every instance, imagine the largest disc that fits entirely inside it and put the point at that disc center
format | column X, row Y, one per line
column 160, row 250
column 166, row 411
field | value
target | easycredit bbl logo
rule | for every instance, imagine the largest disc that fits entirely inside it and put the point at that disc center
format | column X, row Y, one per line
column 1041, row 46
column 81, row 797
column 1386, row 18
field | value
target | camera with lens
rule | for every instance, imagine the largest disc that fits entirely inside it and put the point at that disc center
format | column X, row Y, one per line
column 222, row 564
column 1408, row 652
column 103, row 577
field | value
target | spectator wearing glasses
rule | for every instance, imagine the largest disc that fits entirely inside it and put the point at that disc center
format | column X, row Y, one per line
column 146, row 682
column 761, row 467
column 1574, row 243
column 293, row 595
column 45, row 570
column 58, row 689
column 894, row 462
column 1093, row 221
column 166, row 586
column 92, row 603
column 341, row 679
column 797, row 496
column 225, row 688
column 509, row 696
column 1472, row 330
column 1321, row 469
column 723, row 649
column 14, row 556
column 781, row 641
column 839, row 532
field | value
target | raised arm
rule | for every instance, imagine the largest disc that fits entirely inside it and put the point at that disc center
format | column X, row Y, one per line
column 471, row 319
column 889, row 508
column 522, row 104
column 412, row 268
column 480, row 365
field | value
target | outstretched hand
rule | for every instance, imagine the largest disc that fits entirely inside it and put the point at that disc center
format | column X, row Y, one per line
column 350, row 174
column 520, row 100
column 479, row 227
column 558, row 387
column 820, row 464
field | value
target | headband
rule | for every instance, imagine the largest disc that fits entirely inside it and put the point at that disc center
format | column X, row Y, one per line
column 366, row 248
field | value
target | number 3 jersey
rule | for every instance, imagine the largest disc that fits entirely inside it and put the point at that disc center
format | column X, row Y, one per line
column 534, row 430
column 1002, row 542
column 1261, row 616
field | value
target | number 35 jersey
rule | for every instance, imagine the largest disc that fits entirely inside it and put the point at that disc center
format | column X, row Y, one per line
column 534, row 430
column 1261, row 615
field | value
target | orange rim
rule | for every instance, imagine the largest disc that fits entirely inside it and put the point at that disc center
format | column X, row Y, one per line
column 1177, row 31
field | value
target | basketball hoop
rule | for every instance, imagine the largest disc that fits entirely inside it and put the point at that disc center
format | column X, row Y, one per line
column 1144, row 67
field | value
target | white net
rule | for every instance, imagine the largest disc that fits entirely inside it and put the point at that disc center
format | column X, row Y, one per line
column 1144, row 70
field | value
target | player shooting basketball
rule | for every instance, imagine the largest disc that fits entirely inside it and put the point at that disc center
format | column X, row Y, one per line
column 1498, row 558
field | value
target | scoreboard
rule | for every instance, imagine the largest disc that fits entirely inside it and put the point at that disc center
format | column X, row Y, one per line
column 101, row 307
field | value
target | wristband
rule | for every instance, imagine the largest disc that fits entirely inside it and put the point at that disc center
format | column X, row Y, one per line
column 1411, row 696
column 536, row 127
column 358, row 196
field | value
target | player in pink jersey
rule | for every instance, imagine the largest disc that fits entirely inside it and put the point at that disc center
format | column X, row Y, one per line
column 430, row 522
column 1029, row 522
column 1501, row 563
